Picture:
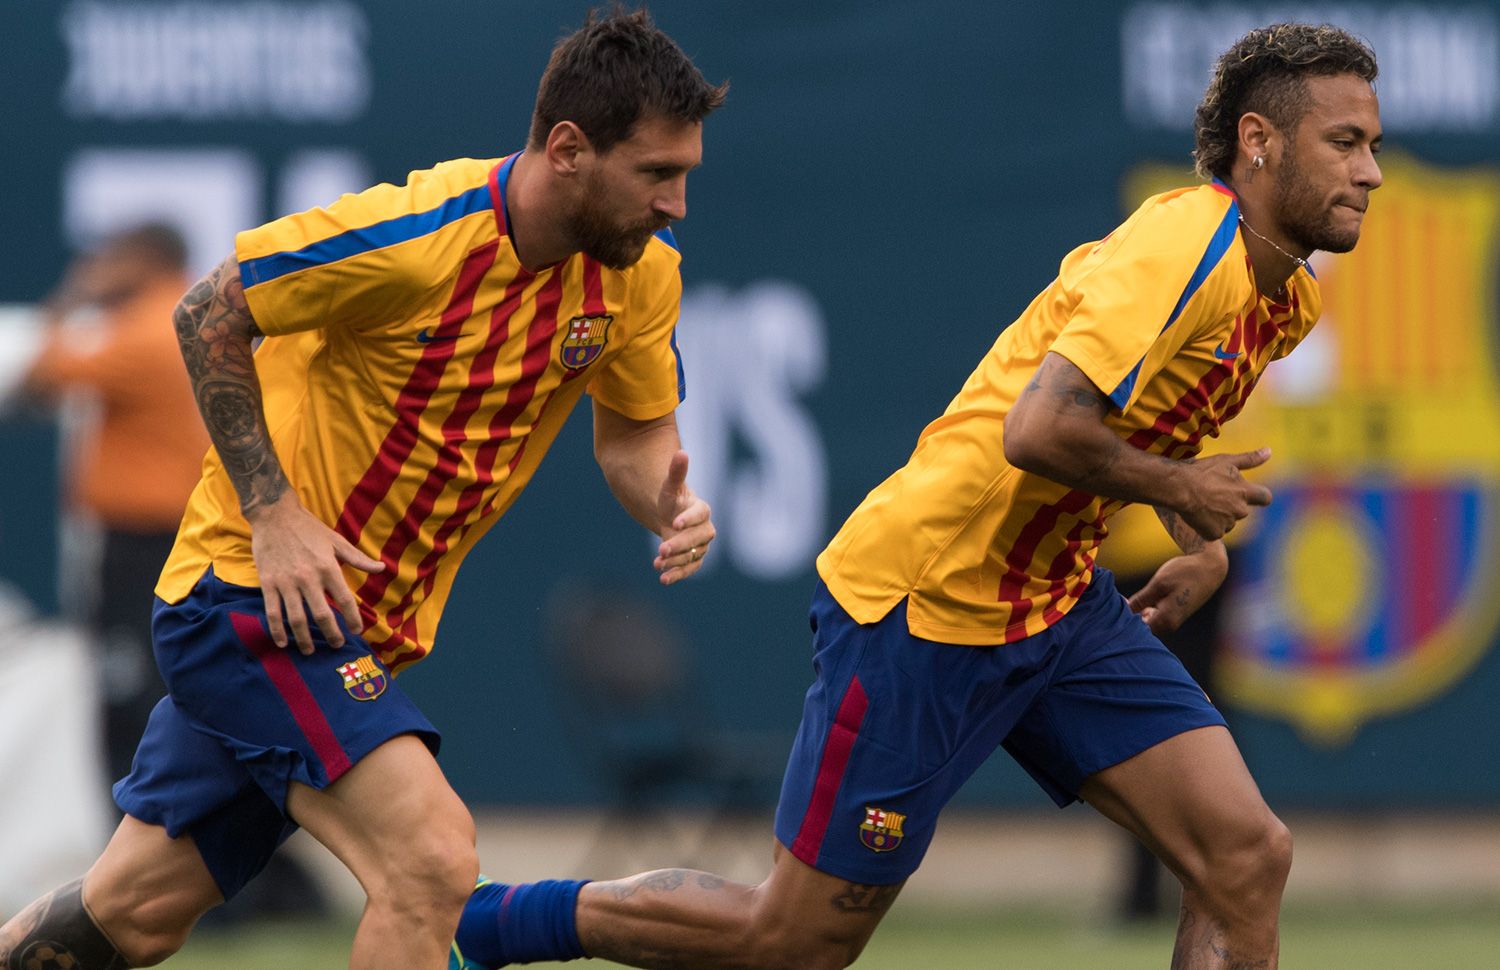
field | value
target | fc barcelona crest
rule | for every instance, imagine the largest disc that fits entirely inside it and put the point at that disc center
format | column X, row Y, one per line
column 585, row 340
column 363, row 679
column 881, row 830
column 1370, row 586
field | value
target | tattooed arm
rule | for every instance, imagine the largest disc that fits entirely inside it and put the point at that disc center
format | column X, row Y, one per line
column 1056, row 429
column 297, row 557
column 214, row 332
column 1183, row 583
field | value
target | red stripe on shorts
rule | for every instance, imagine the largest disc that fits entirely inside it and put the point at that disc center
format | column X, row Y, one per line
column 294, row 691
column 836, row 751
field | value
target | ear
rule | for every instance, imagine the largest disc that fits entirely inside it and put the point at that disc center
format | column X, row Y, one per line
column 1257, row 134
column 566, row 143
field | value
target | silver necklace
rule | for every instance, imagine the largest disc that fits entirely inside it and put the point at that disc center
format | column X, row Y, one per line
column 1296, row 259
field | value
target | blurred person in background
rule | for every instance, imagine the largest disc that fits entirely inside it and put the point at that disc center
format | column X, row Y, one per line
column 134, row 466
column 423, row 345
column 961, row 610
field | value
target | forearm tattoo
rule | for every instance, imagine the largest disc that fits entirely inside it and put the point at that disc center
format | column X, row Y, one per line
column 57, row 931
column 1186, row 537
column 214, row 330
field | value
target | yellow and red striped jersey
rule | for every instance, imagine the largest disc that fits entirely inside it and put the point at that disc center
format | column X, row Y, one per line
column 1163, row 316
column 414, row 373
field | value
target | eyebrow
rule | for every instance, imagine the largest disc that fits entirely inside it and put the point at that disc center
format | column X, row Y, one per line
column 1357, row 131
column 648, row 166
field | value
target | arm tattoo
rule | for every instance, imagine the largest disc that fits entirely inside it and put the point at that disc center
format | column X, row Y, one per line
column 1078, row 394
column 1067, row 395
column 214, row 330
column 1067, row 422
column 858, row 898
column 1186, row 537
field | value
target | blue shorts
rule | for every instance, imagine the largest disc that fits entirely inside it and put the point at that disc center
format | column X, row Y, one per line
column 893, row 725
column 243, row 719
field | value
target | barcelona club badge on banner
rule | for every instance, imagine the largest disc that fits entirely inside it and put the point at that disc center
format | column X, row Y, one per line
column 1370, row 587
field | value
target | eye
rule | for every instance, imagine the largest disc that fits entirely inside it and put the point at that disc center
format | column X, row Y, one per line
column 1343, row 143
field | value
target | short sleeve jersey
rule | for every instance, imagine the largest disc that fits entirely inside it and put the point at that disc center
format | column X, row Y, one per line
column 414, row 373
column 1164, row 317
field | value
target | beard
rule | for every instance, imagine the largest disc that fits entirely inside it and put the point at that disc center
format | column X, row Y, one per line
column 601, row 238
column 1303, row 215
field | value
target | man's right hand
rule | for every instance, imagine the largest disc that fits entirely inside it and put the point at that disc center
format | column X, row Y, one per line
column 298, row 559
column 1218, row 495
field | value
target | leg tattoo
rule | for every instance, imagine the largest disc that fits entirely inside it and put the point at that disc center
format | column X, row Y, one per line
column 859, row 898
column 1201, row 944
column 57, row 931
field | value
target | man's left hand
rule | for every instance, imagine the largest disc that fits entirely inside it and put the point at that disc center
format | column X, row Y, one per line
column 1180, row 586
column 688, row 528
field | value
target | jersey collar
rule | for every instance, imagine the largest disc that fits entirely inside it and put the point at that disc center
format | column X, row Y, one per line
column 499, row 178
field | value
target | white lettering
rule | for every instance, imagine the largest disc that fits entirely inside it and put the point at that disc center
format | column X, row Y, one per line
column 207, row 61
column 757, row 457
column 1439, row 65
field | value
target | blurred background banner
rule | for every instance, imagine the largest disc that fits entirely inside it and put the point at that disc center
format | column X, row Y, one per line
column 888, row 186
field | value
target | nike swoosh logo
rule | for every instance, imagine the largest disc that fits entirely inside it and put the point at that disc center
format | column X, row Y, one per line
column 1223, row 354
column 428, row 337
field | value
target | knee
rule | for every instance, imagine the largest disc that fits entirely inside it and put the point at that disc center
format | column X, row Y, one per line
column 431, row 875
column 1247, row 870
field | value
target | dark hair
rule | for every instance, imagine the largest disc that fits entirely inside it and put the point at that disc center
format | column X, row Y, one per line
column 617, row 68
column 1265, row 72
column 159, row 243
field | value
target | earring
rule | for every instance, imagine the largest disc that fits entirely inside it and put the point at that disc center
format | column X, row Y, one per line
column 1258, row 162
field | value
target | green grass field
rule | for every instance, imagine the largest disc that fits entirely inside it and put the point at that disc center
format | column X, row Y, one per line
column 1343, row 939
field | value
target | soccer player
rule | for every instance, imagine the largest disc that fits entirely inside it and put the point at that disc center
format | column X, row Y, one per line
column 422, row 347
column 960, row 609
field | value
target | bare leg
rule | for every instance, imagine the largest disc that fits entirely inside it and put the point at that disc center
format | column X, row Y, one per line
column 675, row 919
column 398, row 826
column 1192, row 800
column 136, row 907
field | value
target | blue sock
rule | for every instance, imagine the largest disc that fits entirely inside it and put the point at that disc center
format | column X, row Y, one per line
column 527, row 923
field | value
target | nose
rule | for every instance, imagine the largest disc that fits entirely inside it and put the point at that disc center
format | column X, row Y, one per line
column 1367, row 176
column 672, row 202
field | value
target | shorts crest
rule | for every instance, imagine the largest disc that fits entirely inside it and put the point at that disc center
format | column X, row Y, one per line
column 881, row 830
column 363, row 679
